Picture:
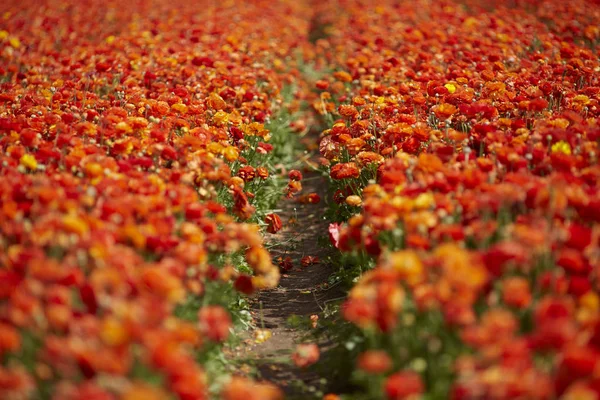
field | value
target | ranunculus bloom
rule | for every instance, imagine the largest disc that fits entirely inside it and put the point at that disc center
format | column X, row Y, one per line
column 243, row 284
column 313, row 198
column 295, row 175
column 334, row 234
column 215, row 323
column 354, row 201
column 403, row 384
column 242, row 207
column 344, row 171
column 307, row 261
column 240, row 388
column 374, row 361
column 516, row 292
column 305, row 355
column 274, row 224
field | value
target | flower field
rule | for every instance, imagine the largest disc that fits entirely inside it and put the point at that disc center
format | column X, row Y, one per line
column 146, row 147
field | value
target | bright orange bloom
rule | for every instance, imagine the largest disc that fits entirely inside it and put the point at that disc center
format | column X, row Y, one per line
column 344, row 171
column 215, row 323
column 374, row 361
column 305, row 355
column 274, row 224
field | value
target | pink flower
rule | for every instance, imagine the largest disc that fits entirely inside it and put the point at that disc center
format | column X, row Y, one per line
column 334, row 234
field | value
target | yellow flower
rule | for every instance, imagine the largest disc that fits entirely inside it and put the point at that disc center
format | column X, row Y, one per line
column 581, row 99
column 14, row 42
column 231, row 153
column 113, row 333
column 74, row 224
column 123, row 127
column 353, row 200
column 424, row 201
column 262, row 335
column 451, row 88
column 93, row 169
column 221, row 118
column 29, row 161
column 562, row 147
column 408, row 264
column 180, row 108
column 590, row 301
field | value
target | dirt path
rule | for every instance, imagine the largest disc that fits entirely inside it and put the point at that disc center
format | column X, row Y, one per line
column 301, row 292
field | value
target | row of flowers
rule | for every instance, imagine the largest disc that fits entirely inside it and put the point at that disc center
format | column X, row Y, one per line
column 135, row 161
column 462, row 147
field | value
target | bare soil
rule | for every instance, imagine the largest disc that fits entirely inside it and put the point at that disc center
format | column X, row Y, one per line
column 301, row 292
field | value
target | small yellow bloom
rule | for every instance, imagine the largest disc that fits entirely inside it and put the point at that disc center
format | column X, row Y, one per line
column 451, row 88
column 581, row 99
column 354, row 200
column 590, row 301
column 424, row 201
column 123, row 127
column 408, row 264
column 180, row 108
column 74, row 224
column 14, row 42
column 93, row 169
column 221, row 118
column 215, row 148
column 262, row 335
column 29, row 161
column 113, row 333
column 562, row 147
column 231, row 153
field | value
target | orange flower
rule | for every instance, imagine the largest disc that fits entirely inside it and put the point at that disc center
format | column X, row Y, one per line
column 344, row 171
column 305, row 355
column 10, row 340
column 354, row 201
column 274, row 224
column 516, row 292
column 242, row 207
column 240, row 388
column 444, row 111
column 347, row 111
column 259, row 259
column 307, row 261
column 374, row 361
column 215, row 323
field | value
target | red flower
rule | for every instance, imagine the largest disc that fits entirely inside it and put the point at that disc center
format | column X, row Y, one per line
column 242, row 207
column 579, row 237
column 286, row 263
column 243, row 284
column 295, row 175
column 313, row 198
column 307, row 261
column 274, row 224
column 215, row 323
column 401, row 385
column 572, row 261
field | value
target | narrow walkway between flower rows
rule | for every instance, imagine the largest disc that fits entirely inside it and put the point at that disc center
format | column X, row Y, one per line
column 303, row 291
